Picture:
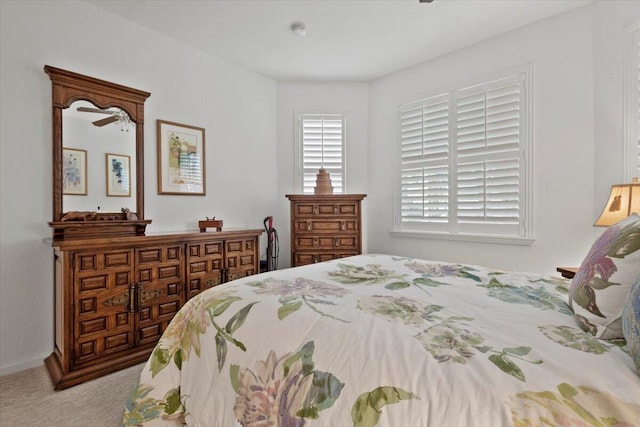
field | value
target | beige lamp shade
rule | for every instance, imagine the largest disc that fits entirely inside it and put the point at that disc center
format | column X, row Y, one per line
column 623, row 201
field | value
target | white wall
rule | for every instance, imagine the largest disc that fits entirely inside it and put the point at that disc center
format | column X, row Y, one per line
column 351, row 98
column 610, row 38
column 561, row 51
column 186, row 85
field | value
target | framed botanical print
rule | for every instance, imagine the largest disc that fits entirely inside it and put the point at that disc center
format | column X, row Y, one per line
column 181, row 154
column 118, row 175
column 74, row 171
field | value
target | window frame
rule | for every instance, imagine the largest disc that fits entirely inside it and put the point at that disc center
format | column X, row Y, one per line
column 299, row 117
column 450, row 231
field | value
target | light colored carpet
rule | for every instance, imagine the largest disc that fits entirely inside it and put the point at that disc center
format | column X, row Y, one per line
column 27, row 398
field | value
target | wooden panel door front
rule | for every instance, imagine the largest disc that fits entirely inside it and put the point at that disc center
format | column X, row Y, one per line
column 205, row 264
column 102, row 319
column 159, row 290
column 241, row 257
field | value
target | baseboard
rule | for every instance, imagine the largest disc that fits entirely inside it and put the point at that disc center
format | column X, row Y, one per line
column 7, row 370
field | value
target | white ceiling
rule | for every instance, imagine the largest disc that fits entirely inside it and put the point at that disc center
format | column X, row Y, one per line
column 347, row 40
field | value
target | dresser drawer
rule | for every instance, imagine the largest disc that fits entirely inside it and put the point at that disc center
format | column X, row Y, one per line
column 325, row 225
column 344, row 209
column 341, row 242
column 304, row 258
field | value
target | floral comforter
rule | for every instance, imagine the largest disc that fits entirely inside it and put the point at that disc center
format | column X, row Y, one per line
column 379, row 340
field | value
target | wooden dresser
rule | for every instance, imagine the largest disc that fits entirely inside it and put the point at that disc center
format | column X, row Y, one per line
column 325, row 227
column 115, row 296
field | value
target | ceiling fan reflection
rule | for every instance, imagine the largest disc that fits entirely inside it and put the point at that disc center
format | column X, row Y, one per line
column 116, row 116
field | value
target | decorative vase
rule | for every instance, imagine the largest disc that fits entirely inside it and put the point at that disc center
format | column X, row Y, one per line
column 323, row 183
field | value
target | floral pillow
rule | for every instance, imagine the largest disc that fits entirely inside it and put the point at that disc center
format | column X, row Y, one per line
column 631, row 322
column 601, row 285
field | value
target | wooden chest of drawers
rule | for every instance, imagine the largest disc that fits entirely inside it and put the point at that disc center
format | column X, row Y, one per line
column 325, row 227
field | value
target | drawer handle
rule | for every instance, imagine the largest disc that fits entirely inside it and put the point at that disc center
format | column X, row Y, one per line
column 336, row 209
column 316, row 209
column 133, row 297
column 309, row 225
column 343, row 225
column 315, row 258
column 337, row 242
column 315, row 242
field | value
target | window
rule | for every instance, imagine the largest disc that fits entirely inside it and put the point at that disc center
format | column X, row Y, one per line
column 632, row 105
column 464, row 164
column 321, row 142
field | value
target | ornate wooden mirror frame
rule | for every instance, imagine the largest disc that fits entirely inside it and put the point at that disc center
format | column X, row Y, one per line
column 69, row 87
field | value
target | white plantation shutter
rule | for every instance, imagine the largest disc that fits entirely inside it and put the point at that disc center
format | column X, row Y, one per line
column 488, row 157
column 322, row 145
column 424, row 135
column 462, row 160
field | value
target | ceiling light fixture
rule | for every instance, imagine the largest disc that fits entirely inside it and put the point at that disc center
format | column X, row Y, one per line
column 298, row 29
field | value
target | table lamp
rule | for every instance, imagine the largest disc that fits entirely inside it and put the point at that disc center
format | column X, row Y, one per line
column 623, row 201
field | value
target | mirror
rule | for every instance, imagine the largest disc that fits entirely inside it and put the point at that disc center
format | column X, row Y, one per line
column 98, row 156
column 99, row 153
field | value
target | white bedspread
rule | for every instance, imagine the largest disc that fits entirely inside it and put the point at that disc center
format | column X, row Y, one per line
column 379, row 340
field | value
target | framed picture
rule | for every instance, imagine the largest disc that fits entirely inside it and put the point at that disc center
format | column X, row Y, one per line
column 74, row 171
column 118, row 175
column 181, row 165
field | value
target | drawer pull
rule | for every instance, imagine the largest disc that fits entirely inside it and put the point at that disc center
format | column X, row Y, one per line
column 337, row 242
column 316, row 209
column 336, row 209
column 315, row 258
column 315, row 242
column 309, row 225
column 133, row 297
column 343, row 225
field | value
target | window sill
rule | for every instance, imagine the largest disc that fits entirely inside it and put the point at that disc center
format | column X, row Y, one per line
column 480, row 238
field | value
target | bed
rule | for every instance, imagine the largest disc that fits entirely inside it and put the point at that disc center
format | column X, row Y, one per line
column 383, row 340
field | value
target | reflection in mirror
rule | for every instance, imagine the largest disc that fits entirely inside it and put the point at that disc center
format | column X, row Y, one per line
column 106, row 184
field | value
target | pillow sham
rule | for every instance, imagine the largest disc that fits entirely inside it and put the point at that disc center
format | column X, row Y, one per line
column 601, row 285
column 631, row 323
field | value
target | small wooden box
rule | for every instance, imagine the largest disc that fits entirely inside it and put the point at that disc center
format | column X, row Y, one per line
column 209, row 223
